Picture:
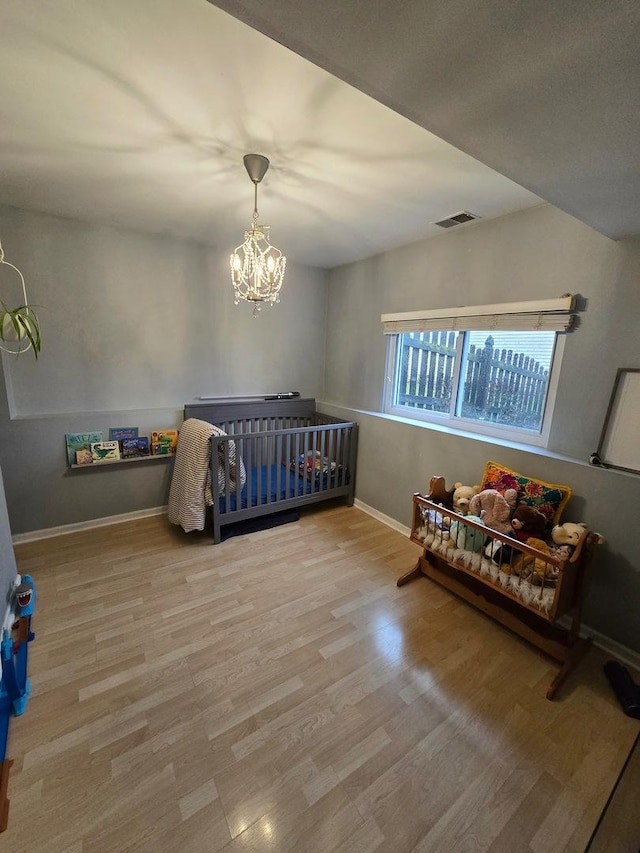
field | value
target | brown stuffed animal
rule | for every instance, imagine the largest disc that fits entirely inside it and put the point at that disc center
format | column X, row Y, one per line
column 439, row 494
column 527, row 521
column 495, row 509
column 536, row 569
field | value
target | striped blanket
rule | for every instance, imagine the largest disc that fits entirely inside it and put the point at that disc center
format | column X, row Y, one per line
column 190, row 491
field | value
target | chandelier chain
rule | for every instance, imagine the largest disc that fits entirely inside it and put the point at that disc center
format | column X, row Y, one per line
column 255, row 202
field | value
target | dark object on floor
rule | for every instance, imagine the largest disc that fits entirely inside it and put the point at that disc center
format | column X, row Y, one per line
column 626, row 690
column 263, row 522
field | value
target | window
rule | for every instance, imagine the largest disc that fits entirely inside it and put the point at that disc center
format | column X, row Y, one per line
column 497, row 376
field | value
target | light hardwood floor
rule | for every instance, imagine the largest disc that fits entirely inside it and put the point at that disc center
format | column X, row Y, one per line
column 278, row 692
column 619, row 828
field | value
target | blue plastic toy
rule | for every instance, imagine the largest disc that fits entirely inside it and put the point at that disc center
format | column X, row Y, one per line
column 14, row 686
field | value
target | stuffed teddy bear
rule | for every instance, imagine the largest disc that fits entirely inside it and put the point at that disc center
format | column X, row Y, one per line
column 461, row 496
column 536, row 570
column 568, row 533
column 495, row 509
column 527, row 521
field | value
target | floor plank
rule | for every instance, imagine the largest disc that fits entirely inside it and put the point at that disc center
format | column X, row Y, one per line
column 278, row 692
column 618, row 830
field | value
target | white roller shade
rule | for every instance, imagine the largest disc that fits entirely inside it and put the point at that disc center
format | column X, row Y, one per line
column 553, row 315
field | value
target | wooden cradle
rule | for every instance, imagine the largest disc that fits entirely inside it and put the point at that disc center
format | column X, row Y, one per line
column 292, row 454
column 528, row 594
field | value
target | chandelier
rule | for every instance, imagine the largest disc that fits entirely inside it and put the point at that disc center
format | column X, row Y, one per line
column 257, row 267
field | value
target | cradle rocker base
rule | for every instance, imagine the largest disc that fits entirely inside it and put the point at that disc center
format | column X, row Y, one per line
column 529, row 592
column 561, row 644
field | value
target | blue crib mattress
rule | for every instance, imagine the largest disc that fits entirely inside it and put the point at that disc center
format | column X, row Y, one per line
column 263, row 480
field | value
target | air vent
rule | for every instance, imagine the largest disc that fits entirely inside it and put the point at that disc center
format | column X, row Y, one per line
column 457, row 219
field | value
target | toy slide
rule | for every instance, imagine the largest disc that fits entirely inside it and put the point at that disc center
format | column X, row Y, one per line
column 14, row 686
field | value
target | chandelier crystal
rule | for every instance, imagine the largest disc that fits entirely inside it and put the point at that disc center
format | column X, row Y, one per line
column 257, row 267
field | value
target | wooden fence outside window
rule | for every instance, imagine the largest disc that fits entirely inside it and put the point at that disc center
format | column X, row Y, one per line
column 499, row 385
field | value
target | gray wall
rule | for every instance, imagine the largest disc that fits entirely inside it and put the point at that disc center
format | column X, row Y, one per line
column 134, row 327
column 7, row 557
column 534, row 254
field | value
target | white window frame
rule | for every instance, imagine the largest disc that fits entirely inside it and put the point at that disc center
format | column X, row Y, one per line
column 550, row 315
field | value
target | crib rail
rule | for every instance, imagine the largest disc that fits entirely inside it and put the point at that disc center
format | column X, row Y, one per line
column 286, row 467
column 255, row 415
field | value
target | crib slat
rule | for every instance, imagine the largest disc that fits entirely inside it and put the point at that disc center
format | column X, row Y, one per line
column 322, row 479
column 313, row 462
column 340, row 456
column 269, row 469
column 240, row 454
column 296, row 456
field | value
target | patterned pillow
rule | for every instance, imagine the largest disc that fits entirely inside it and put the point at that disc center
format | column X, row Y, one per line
column 549, row 498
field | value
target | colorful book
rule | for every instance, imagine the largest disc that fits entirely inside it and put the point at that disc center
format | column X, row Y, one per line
column 84, row 457
column 105, row 451
column 120, row 433
column 135, row 448
column 164, row 442
column 79, row 441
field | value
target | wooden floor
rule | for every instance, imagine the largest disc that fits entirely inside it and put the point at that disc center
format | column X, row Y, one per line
column 278, row 692
column 619, row 827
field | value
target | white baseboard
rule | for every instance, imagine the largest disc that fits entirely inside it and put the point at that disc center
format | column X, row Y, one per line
column 380, row 516
column 47, row 533
column 612, row 647
column 615, row 649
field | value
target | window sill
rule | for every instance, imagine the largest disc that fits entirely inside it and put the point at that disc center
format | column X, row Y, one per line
column 477, row 429
column 536, row 450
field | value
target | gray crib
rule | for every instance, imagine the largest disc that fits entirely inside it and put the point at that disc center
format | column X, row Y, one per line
column 293, row 456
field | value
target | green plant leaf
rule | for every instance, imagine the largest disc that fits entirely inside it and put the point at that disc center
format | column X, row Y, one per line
column 23, row 322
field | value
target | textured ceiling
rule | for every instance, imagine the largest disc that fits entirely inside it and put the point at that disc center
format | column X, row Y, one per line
column 547, row 93
column 137, row 114
column 378, row 118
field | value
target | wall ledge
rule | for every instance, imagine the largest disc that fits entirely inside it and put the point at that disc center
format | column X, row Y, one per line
column 492, row 441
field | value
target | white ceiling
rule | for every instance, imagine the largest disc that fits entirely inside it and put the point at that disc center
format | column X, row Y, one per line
column 137, row 113
column 547, row 92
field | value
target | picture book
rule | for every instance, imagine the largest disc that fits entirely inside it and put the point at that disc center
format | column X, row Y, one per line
column 135, row 448
column 84, row 457
column 120, row 433
column 164, row 442
column 79, row 441
column 105, row 451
